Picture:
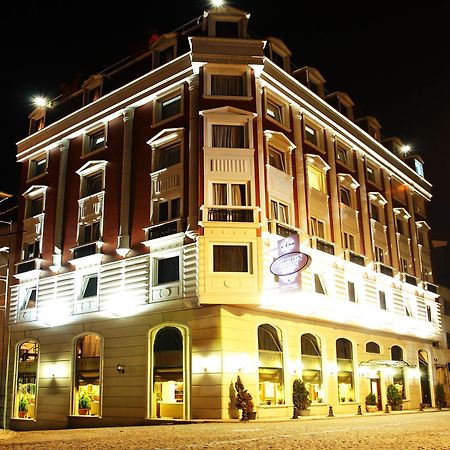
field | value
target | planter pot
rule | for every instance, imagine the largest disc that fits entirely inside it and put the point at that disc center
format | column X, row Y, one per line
column 396, row 407
column 305, row 412
column 83, row 411
column 371, row 408
column 251, row 415
column 23, row 414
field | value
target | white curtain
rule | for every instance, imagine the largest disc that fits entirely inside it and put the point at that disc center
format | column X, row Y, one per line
column 228, row 136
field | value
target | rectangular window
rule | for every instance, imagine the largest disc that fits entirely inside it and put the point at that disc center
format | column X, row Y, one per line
column 97, row 140
column 374, row 212
column 92, row 184
column 408, row 311
column 317, row 227
column 429, row 315
column 346, row 198
column 319, row 285
column 400, row 226
column 446, row 307
column 280, row 211
column 421, row 237
column 277, row 159
column 228, row 85
column 89, row 233
column 31, row 251
column 229, row 194
column 227, row 29
column 371, row 176
column 168, row 210
column 349, row 241
column 316, row 179
column 229, row 136
column 382, row 298
column 35, row 206
column 169, row 107
column 230, row 258
column 89, row 287
column 168, row 270
column 37, row 167
column 342, row 155
column 379, row 254
column 311, row 135
column 274, row 111
column 168, row 156
column 403, row 265
column 418, row 166
column 351, row 291
column 30, row 298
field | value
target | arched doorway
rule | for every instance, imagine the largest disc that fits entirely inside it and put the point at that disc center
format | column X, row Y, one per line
column 424, row 377
column 168, row 373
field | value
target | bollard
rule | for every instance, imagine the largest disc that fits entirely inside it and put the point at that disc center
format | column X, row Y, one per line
column 359, row 413
column 330, row 411
column 386, row 410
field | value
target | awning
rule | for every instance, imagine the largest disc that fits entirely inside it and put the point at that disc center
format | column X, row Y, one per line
column 376, row 363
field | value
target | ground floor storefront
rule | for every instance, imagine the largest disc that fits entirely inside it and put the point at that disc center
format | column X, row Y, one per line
column 183, row 365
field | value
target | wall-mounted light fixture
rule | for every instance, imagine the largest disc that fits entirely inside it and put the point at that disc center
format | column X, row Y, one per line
column 120, row 368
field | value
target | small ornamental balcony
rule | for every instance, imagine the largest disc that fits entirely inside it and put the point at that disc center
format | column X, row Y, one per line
column 322, row 245
column 163, row 229
column 234, row 214
column 407, row 278
column 280, row 228
column 28, row 266
column 354, row 258
column 91, row 208
column 430, row 287
column 384, row 269
column 90, row 253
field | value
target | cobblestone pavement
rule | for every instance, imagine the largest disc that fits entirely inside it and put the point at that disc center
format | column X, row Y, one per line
column 427, row 430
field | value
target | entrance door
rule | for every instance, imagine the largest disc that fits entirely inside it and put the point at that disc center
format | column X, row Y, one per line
column 375, row 388
column 424, row 377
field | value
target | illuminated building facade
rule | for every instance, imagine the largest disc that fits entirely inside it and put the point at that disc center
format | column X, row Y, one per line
column 154, row 200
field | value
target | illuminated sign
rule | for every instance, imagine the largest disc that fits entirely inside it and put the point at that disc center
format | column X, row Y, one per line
column 289, row 263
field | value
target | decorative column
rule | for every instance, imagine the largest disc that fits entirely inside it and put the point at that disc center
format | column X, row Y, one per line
column 334, row 195
column 190, row 206
column 393, row 247
column 123, row 244
column 59, row 213
column 417, row 260
column 300, row 171
column 365, row 220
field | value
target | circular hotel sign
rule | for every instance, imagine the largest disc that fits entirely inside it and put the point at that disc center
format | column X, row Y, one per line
column 289, row 263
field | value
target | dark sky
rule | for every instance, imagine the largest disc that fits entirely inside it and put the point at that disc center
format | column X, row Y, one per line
column 392, row 58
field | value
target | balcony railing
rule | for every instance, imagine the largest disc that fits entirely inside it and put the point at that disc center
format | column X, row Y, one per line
column 91, row 208
column 355, row 258
column 85, row 250
column 410, row 279
column 243, row 214
column 163, row 229
column 323, row 246
column 281, row 229
column 430, row 287
column 385, row 270
column 27, row 266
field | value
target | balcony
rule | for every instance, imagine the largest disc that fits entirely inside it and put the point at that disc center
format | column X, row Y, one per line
column 384, row 269
column 163, row 229
column 235, row 214
column 410, row 279
column 430, row 287
column 281, row 229
column 91, row 208
column 355, row 258
column 322, row 245
column 27, row 266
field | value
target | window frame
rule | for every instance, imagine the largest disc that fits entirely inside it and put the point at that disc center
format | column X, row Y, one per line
column 232, row 70
column 281, row 105
column 246, row 245
column 85, row 283
column 382, row 300
column 89, row 136
column 349, row 241
column 315, row 225
column 229, row 192
column 355, row 291
column 319, row 143
column 156, row 271
column 33, row 163
column 278, row 206
column 319, row 282
column 158, row 106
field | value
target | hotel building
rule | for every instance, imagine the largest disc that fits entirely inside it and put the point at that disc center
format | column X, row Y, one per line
column 155, row 199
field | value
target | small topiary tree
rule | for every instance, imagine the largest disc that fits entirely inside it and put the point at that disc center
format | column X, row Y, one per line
column 371, row 399
column 394, row 397
column 440, row 396
column 244, row 400
column 300, row 397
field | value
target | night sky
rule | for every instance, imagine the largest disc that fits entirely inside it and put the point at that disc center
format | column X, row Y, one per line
column 393, row 61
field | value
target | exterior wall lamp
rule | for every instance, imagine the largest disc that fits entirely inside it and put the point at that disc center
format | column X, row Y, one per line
column 120, row 368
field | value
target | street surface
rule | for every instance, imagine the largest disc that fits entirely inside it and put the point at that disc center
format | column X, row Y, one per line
column 426, row 430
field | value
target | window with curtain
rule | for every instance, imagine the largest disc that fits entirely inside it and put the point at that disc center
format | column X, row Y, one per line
column 316, row 179
column 230, row 258
column 232, row 194
column 228, row 85
column 271, row 380
column 398, row 377
column 26, row 380
column 168, row 156
column 277, row 159
column 312, row 366
column 169, row 107
column 87, row 377
column 229, row 136
column 344, row 359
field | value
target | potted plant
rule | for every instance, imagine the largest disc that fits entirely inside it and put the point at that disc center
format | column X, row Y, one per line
column 371, row 402
column 300, row 399
column 440, row 396
column 84, row 404
column 244, row 400
column 394, row 398
column 23, row 407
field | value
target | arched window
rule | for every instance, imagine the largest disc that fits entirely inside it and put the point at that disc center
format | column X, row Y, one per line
column 312, row 366
column 398, row 376
column 87, row 381
column 344, row 357
column 372, row 347
column 168, row 373
column 27, row 368
column 270, row 365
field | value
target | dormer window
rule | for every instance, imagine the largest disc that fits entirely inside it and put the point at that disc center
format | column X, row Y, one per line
column 418, row 167
column 92, row 88
column 227, row 22
column 227, row 29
